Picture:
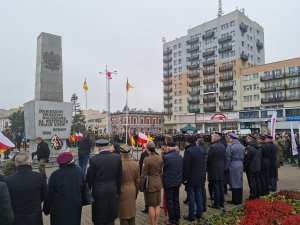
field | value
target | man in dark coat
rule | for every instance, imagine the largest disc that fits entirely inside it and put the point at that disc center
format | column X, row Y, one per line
column 6, row 213
column 192, row 177
column 172, row 177
column 27, row 191
column 216, row 168
column 264, row 174
column 252, row 166
column 273, row 163
column 84, row 151
column 42, row 153
column 104, row 177
column 64, row 198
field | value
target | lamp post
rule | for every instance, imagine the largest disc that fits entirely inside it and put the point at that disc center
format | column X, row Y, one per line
column 108, row 78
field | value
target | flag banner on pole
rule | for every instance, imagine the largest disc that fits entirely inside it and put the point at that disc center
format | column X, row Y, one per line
column 85, row 85
column 128, row 86
column 5, row 143
column 299, row 132
column 273, row 124
column 142, row 138
column 108, row 74
column 131, row 139
column 293, row 141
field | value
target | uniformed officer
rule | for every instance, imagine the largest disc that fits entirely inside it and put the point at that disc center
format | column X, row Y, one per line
column 104, row 177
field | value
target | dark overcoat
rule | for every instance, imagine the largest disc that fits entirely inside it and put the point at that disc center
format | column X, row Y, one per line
column 104, row 177
column 253, row 156
column 27, row 191
column 216, row 161
column 6, row 213
column 273, row 161
column 266, row 156
column 172, row 171
column 64, row 201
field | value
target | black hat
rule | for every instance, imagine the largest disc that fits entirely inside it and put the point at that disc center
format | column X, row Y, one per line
column 252, row 136
column 269, row 136
column 171, row 144
column 101, row 142
column 262, row 136
column 124, row 151
column 233, row 136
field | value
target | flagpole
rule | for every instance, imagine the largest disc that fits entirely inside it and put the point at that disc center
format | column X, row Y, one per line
column 126, row 113
column 85, row 97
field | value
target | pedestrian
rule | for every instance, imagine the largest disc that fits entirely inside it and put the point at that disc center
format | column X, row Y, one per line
column 287, row 147
column 252, row 165
column 273, row 175
column 6, row 212
column 64, row 195
column 264, row 174
column 172, row 178
column 116, row 148
column 141, row 162
column 215, row 168
column 84, row 151
column 42, row 153
column 279, row 143
column 27, row 190
column 104, row 177
column 151, row 171
column 192, row 177
column 129, row 189
column 235, row 152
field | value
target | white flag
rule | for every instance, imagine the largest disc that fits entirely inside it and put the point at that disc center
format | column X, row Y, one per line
column 293, row 141
column 273, row 124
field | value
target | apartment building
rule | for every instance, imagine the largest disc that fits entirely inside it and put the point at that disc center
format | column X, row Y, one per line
column 202, row 69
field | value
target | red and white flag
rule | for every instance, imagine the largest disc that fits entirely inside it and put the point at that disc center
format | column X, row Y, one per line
column 5, row 143
column 108, row 74
column 142, row 138
column 273, row 124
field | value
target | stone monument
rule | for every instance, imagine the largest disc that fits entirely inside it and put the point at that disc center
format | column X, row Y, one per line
column 47, row 115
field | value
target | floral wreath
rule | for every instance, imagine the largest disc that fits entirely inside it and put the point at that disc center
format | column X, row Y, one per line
column 56, row 143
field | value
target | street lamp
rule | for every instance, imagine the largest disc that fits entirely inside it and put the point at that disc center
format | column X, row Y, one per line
column 108, row 78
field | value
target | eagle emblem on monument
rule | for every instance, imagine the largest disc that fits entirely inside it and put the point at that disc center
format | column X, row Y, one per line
column 52, row 61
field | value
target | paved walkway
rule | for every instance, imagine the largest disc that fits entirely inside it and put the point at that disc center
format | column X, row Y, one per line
column 289, row 178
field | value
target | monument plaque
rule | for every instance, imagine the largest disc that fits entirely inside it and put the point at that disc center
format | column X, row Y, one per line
column 47, row 115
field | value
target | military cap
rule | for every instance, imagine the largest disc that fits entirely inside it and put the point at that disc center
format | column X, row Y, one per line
column 262, row 136
column 102, row 142
column 233, row 136
column 124, row 151
column 269, row 136
column 252, row 136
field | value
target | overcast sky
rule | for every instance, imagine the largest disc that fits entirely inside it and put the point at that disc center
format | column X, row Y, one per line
column 124, row 34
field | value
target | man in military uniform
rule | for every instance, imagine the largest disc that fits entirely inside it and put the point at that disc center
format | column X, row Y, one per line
column 273, row 163
column 278, row 142
column 104, row 177
column 42, row 153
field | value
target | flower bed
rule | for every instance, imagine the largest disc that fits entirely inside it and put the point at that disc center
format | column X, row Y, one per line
column 282, row 208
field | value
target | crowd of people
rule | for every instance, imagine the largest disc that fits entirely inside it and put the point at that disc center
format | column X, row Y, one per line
column 112, row 180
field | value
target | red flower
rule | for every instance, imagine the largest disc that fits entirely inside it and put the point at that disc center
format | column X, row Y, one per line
column 292, row 220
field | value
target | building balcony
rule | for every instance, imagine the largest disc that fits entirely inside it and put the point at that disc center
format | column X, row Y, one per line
column 168, row 105
column 225, row 98
column 194, row 83
column 209, row 81
column 167, row 59
column 194, row 66
column 168, row 75
column 207, row 100
column 293, row 86
column 272, row 77
column 167, row 90
column 168, row 111
column 193, row 49
column 208, row 53
column 208, row 72
column 209, row 62
column 168, row 98
column 294, row 74
column 167, row 52
column 208, row 90
column 225, row 48
column 210, row 109
column 225, row 39
column 192, row 41
column 272, row 100
column 244, row 57
column 194, row 101
column 293, row 98
column 244, row 27
column 194, row 110
column 168, row 67
column 167, row 82
column 193, row 93
column 259, row 45
column 273, row 88
column 225, row 67
column 226, row 88
column 193, row 57
column 226, row 78
column 194, row 75
column 226, row 108
column 208, row 35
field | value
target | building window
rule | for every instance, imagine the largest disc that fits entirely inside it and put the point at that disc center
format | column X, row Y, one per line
column 175, row 46
column 175, row 62
column 175, row 54
column 180, row 69
column 148, row 121
column 248, row 98
column 232, row 23
column 180, row 101
column 179, row 61
column 175, row 70
column 142, row 120
column 256, row 97
column 153, row 121
column 180, row 77
column 179, row 53
column 179, row 45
